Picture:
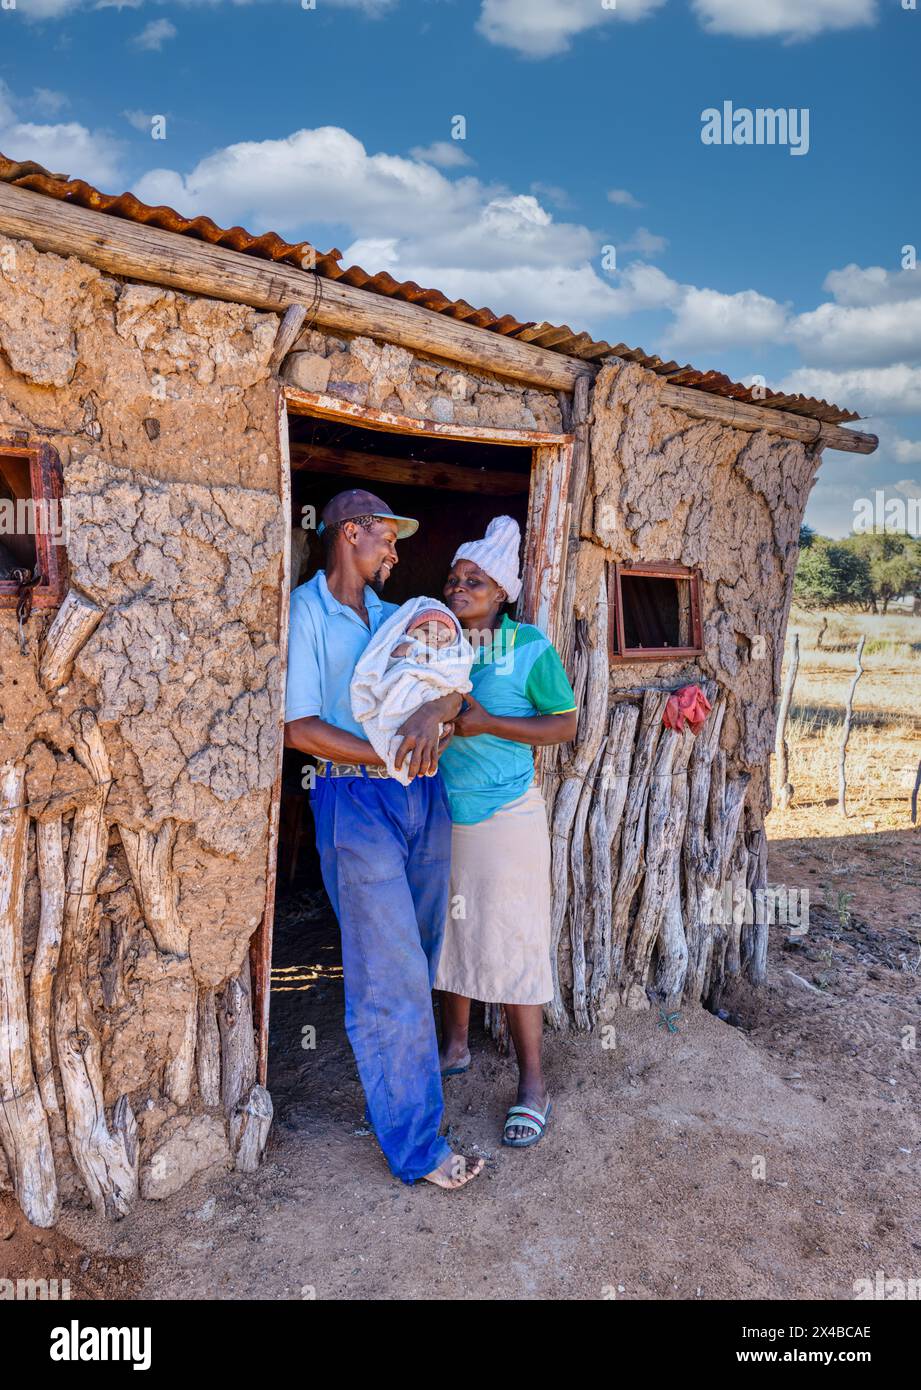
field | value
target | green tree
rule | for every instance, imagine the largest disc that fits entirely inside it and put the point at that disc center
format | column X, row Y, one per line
column 893, row 562
column 830, row 575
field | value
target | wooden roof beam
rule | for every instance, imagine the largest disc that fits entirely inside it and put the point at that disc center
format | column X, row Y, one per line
column 156, row 257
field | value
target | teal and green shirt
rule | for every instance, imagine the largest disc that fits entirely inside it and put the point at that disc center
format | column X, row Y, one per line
column 518, row 674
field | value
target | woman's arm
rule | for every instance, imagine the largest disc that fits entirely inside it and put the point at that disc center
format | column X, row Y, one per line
column 539, row 730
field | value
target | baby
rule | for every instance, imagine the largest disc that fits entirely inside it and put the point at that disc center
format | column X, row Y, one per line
column 419, row 654
column 431, row 630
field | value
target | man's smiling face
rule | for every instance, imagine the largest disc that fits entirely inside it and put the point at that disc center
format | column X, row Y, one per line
column 375, row 550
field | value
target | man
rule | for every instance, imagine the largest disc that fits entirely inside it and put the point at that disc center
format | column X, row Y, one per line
column 385, row 849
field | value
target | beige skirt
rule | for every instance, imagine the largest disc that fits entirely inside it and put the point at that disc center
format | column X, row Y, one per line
column 497, row 939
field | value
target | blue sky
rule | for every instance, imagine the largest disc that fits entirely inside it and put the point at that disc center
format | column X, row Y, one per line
column 583, row 131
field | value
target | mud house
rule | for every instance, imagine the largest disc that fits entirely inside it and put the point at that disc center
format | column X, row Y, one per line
column 186, row 396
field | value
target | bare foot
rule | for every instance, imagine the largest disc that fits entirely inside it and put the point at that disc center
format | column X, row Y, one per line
column 453, row 1171
column 454, row 1059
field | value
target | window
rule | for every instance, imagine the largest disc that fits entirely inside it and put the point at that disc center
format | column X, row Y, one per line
column 654, row 612
column 32, row 529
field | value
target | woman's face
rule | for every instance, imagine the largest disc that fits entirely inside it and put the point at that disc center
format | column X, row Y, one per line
column 471, row 595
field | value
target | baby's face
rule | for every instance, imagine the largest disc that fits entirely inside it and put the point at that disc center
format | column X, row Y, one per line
column 433, row 634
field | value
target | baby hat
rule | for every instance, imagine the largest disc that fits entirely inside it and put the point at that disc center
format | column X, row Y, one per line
column 433, row 615
column 497, row 553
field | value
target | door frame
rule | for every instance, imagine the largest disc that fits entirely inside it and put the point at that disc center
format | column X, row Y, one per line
column 543, row 567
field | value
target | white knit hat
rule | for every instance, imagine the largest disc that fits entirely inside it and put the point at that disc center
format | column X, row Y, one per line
column 497, row 553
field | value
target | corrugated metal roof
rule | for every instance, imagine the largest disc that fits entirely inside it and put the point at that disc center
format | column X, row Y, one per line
column 269, row 246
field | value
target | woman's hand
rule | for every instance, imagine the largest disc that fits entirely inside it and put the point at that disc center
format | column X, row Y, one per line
column 473, row 720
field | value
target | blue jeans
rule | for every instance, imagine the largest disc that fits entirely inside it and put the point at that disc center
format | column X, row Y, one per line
column 385, row 855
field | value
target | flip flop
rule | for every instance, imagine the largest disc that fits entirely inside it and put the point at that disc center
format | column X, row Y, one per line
column 526, row 1117
column 456, row 1071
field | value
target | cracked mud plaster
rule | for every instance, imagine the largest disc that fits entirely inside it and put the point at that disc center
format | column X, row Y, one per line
column 728, row 502
column 176, row 531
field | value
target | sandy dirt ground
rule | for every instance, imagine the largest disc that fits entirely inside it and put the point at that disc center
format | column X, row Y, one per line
column 775, row 1152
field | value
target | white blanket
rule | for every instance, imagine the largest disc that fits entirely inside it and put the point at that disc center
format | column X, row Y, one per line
column 386, row 690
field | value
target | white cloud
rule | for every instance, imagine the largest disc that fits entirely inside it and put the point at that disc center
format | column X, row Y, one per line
column 139, row 119
column 48, row 103
column 622, row 198
column 907, row 450
column 445, row 154
column 551, row 193
column 540, row 28
column 859, row 286
column 65, row 147
column 789, row 19
column 646, row 242
column 837, row 336
column 893, row 390
column 471, row 239
column 710, row 319
column 153, row 36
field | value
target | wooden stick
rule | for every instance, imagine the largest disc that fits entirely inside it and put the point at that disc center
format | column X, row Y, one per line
column 700, row 849
column 604, row 837
column 633, row 837
column 50, row 856
column 755, row 936
column 781, row 751
column 656, row 875
column 208, row 1049
column 24, row 1133
column 451, row 477
column 289, row 330
column 578, row 905
column 670, row 942
column 249, row 1128
column 578, row 481
column 740, row 415
column 76, row 620
column 846, row 731
column 592, row 718
column 238, row 1048
column 107, row 1160
column 150, row 860
column 727, row 813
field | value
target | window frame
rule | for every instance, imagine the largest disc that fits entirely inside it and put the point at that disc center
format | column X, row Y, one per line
column 618, row 651
column 46, row 484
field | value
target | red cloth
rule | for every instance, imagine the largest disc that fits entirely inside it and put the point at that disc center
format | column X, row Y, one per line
column 687, row 704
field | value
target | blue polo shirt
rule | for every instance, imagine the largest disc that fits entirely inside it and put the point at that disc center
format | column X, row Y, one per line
column 325, row 640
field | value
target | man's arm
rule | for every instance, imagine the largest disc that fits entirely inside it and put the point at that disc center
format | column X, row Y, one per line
column 313, row 735
column 420, row 738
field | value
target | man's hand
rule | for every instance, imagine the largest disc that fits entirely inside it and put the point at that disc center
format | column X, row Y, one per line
column 422, row 743
column 474, row 720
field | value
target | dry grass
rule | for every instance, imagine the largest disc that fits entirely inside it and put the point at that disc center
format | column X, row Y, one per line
column 885, row 742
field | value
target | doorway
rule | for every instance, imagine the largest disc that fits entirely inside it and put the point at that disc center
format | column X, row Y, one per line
column 454, row 480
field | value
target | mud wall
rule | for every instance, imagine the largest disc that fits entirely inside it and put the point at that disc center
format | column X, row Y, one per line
column 161, row 408
column 666, row 487
column 159, row 748
column 653, row 828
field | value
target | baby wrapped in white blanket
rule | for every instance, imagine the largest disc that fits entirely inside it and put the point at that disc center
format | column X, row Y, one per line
column 419, row 654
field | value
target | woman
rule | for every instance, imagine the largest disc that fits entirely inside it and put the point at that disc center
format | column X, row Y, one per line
column 497, row 940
